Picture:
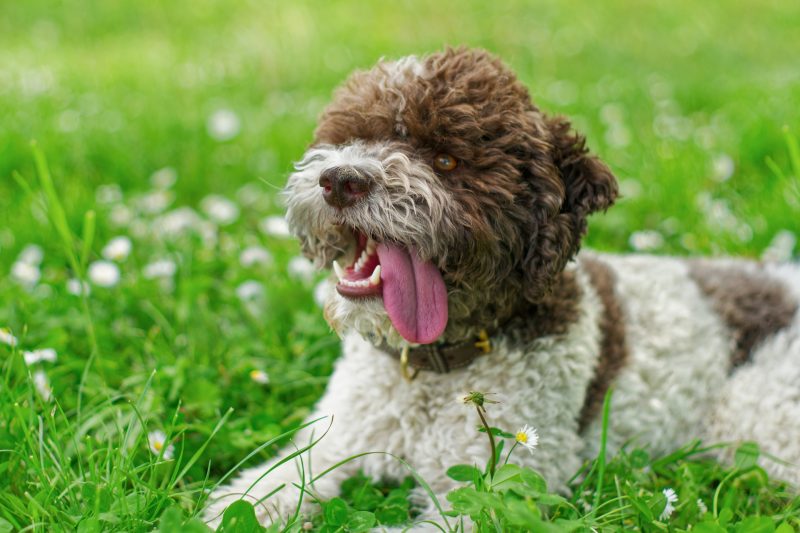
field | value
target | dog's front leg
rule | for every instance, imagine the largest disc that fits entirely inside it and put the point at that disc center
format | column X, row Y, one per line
column 347, row 413
column 289, row 483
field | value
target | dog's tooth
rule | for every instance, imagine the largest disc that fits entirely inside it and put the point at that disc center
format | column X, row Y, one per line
column 371, row 245
column 375, row 278
column 339, row 271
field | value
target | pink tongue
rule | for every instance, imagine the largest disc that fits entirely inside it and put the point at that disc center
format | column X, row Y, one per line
column 414, row 294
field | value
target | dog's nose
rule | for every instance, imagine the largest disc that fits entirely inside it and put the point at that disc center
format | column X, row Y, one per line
column 343, row 186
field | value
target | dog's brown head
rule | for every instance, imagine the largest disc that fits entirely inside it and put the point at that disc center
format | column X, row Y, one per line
column 451, row 197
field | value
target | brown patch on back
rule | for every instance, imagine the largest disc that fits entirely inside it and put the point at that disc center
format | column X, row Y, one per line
column 613, row 347
column 753, row 305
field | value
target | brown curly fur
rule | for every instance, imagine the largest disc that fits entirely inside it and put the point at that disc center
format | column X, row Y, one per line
column 524, row 185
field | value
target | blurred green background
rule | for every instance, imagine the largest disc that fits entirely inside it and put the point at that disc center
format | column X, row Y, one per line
column 689, row 103
column 672, row 93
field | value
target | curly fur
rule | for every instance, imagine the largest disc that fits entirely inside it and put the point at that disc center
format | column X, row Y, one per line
column 504, row 229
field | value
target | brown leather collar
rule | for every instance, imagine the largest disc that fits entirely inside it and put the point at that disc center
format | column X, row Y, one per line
column 440, row 358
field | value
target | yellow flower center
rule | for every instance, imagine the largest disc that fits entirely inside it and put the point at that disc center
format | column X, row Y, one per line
column 158, row 445
column 522, row 437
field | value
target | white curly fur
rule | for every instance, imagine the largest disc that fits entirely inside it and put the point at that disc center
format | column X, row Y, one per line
column 674, row 388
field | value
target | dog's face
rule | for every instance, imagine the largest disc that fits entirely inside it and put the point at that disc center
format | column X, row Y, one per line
column 441, row 196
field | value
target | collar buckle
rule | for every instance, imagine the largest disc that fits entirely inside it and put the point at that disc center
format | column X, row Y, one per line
column 484, row 343
column 407, row 375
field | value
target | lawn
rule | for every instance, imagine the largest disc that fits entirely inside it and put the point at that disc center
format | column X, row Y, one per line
column 197, row 338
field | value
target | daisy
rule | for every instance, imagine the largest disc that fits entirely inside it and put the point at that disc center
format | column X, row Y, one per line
column 37, row 356
column 7, row 338
column 300, row 268
column 120, row 215
column 163, row 178
column 108, row 194
column 669, row 508
column 276, row 226
column 118, row 249
column 26, row 274
column 527, row 437
column 220, row 209
column 32, row 254
column 163, row 268
column 255, row 255
column 223, row 125
column 42, row 385
column 103, row 273
column 76, row 288
column 177, row 222
column 155, row 202
column 250, row 290
column 321, row 292
column 156, row 441
column 259, row 376
column 647, row 240
column 781, row 247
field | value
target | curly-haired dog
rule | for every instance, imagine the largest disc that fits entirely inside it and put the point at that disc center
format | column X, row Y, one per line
column 451, row 209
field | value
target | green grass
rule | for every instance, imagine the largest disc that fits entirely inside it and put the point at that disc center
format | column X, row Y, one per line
column 687, row 101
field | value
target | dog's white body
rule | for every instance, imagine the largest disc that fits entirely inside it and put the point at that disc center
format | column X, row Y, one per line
column 677, row 384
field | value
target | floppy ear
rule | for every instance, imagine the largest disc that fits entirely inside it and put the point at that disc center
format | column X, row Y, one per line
column 574, row 185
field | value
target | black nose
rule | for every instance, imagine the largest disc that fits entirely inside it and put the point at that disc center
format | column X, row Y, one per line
column 342, row 186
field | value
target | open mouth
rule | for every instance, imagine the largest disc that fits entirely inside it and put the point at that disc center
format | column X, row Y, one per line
column 363, row 277
column 413, row 290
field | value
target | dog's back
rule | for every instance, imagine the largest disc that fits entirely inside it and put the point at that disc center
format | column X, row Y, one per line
column 704, row 349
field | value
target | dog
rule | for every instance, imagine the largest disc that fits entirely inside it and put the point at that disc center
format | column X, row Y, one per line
column 450, row 210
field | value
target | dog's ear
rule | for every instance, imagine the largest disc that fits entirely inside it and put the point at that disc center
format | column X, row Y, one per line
column 567, row 186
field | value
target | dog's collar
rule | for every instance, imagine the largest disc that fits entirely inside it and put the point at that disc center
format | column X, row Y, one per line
column 439, row 358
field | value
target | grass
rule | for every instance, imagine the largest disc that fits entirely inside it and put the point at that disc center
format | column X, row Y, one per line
column 688, row 102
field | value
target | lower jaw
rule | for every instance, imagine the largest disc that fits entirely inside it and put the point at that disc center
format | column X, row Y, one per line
column 371, row 291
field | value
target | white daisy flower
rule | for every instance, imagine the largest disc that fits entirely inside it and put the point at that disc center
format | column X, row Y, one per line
column 259, row 376
column 223, row 125
column 301, row 268
column 646, row 240
column 103, row 273
column 177, row 222
column 118, row 249
column 162, row 268
column 275, row 226
column 220, row 209
column 781, row 247
column 32, row 254
column 156, row 441
column 108, row 194
column 164, row 178
column 255, row 255
column 669, row 508
column 7, row 338
column 252, row 195
column 78, row 288
column 42, row 385
column 25, row 274
column 37, row 356
column 722, row 168
column 527, row 437
column 155, row 202
column 321, row 292
column 250, row 290
column 120, row 215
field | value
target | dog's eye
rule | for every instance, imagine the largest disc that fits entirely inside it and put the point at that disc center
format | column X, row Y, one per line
column 445, row 162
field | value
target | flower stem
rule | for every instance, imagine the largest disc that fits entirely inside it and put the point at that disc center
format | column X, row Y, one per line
column 493, row 458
